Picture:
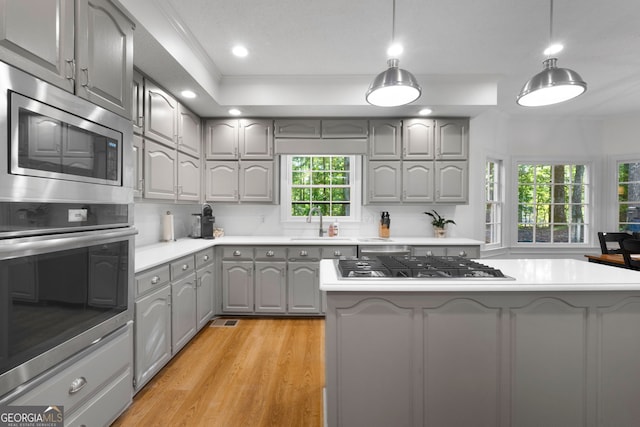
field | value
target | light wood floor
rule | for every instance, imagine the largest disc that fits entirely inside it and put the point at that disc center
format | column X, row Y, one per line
column 263, row 372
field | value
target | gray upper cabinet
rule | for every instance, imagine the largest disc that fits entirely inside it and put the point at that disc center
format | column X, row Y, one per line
column 256, row 181
column 161, row 113
column 221, row 182
column 85, row 47
column 189, row 131
column 384, row 139
column 138, row 164
column 255, row 138
column 417, row 181
column 188, row 178
column 452, row 139
column 244, row 181
column 418, row 139
column 159, row 171
column 137, row 102
column 452, row 182
column 344, row 128
column 384, row 181
column 298, row 128
column 221, row 139
column 104, row 55
column 40, row 43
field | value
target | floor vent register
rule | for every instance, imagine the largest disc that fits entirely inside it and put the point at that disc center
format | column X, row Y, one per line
column 224, row 323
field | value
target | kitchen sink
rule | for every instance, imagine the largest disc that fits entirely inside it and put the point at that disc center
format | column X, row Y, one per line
column 375, row 239
column 329, row 239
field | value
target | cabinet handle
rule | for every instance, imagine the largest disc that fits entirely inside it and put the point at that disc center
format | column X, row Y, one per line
column 71, row 68
column 429, row 253
column 237, row 253
column 185, row 267
column 140, row 184
column 337, row 253
column 462, row 253
column 77, row 385
column 270, row 253
column 205, row 258
column 303, row 253
column 155, row 280
column 85, row 71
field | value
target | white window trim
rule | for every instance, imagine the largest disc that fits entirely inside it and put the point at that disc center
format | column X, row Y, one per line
column 512, row 200
column 285, row 191
column 501, row 201
column 612, row 222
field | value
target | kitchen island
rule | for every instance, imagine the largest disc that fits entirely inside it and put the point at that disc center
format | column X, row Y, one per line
column 557, row 345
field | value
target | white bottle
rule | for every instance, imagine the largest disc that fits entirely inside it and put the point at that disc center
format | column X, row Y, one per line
column 335, row 227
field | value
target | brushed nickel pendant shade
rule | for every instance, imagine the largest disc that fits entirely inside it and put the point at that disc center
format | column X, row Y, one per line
column 552, row 85
column 394, row 86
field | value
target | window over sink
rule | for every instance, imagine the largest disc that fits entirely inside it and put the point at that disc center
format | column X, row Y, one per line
column 330, row 182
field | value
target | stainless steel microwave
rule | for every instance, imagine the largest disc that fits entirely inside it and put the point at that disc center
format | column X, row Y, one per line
column 57, row 147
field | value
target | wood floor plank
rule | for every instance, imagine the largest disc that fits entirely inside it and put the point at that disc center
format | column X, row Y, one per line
column 263, row 372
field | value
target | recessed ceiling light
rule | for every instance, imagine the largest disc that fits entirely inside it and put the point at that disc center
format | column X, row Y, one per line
column 395, row 50
column 188, row 94
column 240, row 51
column 553, row 49
column 235, row 112
column 425, row 111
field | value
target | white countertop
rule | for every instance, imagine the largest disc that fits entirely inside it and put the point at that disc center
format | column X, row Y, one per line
column 529, row 275
column 163, row 252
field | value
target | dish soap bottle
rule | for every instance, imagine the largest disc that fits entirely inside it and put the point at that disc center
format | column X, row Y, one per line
column 335, row 227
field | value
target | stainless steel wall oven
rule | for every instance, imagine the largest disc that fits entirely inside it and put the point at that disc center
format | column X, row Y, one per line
column 66, row 226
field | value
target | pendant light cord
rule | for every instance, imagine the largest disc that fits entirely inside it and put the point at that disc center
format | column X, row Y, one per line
column 393, row 23
column 550, row 24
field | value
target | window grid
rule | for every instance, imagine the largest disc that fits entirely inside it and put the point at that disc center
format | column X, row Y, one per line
column 493, row 197
column 628, row 178
column 553, row 203
column 322, row 181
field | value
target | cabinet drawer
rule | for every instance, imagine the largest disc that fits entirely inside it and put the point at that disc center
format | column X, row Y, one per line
column 271, row 253
column 182, row 267
column 335, row 252
column 237, row 252
column 429, row 250
column 304, row 253
column 152, row 279
column 74, row 385
column 464, row 251
column 204, row 257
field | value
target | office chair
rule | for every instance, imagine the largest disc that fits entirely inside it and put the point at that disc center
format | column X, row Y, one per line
column 610, row 242
column 631, row 247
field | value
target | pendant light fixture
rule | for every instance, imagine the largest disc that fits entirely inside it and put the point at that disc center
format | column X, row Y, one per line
column 394, row 86
column 552, row 85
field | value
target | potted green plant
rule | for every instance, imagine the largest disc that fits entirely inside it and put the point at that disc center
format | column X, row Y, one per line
column 439, row 223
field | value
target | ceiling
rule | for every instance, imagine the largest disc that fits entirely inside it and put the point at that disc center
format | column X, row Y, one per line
column 317, row 57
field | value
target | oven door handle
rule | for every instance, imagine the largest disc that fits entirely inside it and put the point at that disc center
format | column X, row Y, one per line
column 34, row 245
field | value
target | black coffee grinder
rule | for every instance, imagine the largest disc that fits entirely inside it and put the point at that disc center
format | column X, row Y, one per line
column 207, row 222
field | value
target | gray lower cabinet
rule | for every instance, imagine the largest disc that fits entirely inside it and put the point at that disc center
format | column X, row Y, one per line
column 237, row 287
column 470, row 251
column 183, row 311
column 270, row 287
column 106, row 371
column 205, row 278
column 303, row 295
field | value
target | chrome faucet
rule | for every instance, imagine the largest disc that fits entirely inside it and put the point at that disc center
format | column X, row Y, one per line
column 319, row 212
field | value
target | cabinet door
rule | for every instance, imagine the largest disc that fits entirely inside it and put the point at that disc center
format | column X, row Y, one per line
column 137, row 102
column 384, row 181
column 160, row 117
column 270, row 287
column 188, row 178
column 159, row 171
column 418, row 139
column 204, row 295
column 297, row 128
column 256, row 139
column 452, row 182
column 303, row 294
column 104, row 55
column 417, row 181
column 384, row 139
column 40, row 43
column 452, row 139
column 188, row 132
column 237, row 287
column 345, row 128
column 138, row 162
column 153, row 334
column 221, row 139
column 222, row 182
column 183, row 311
column 256, row 181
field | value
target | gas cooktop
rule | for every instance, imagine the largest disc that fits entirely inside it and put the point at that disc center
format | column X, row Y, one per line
column 416, row 267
